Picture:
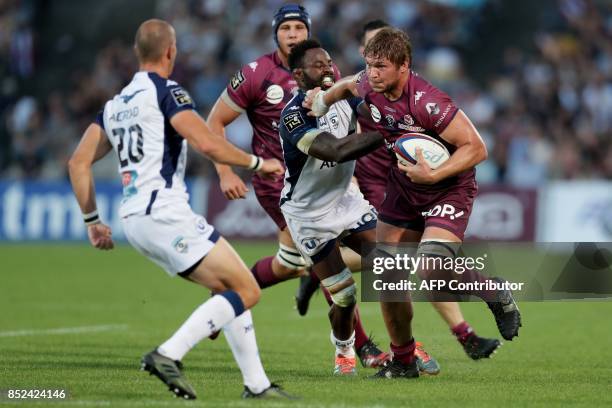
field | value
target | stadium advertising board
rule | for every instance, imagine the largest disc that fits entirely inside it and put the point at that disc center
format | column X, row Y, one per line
column 47, row 211
column 576, row 211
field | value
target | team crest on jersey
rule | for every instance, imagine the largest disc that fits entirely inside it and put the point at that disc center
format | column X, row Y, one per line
column 274, row 94
column 310, row 244
column 237, row 80
column 375, row 113
column 293, row 121
column 253, row 65
column 180, row 96
column 432, row 108
column 180, row 245
column 201, row 225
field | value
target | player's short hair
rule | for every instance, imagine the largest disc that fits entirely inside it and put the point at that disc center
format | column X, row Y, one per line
column 370, row 26
column 152, row 39
column 296, row 56
column 392, row 44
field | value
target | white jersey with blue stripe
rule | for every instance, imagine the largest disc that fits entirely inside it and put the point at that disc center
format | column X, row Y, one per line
column 313, row 186
column 152, row 155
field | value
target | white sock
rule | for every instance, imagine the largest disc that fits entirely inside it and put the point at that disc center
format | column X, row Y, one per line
column 240, row 335
column 344, row 347
column 209, row 317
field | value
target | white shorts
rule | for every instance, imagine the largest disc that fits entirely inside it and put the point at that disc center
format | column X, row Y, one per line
column 352, row 214
column 173, row 236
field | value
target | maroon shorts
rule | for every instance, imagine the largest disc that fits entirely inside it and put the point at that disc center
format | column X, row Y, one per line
column 268, row 194
column 417, row 209
column 373, row 191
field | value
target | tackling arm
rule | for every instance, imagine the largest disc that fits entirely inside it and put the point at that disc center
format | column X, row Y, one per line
column 325, row 146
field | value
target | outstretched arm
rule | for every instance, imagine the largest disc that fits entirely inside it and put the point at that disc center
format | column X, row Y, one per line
column 319, row 101
column 192, row 127
column 325, row 146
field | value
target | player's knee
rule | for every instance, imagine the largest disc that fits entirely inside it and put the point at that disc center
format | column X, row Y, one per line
column 342, row 288
column 434, row 255
column 250, row 295
column 290, row 261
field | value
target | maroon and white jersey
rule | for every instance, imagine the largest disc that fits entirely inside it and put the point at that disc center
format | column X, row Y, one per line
column 262, row 88
column 422, row 108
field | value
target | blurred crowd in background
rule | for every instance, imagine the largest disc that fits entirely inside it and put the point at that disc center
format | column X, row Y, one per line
column 544, row 110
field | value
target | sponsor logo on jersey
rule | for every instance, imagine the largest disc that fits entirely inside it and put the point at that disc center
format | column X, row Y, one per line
column 274, row 94
column 375, row 113
column 293, row 120
column 237, row 80
column 418, row 95
column 181, row 97
column 389, row 109
column 432, row 108
column 180, row 245
column 408, row 124
column 439, row 122
column 443, row 210
column 390, row 119
column 127, row 98
column 253, row 65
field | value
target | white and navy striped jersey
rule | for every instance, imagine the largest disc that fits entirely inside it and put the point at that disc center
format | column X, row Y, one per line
column 152, row 155
column 313, row 186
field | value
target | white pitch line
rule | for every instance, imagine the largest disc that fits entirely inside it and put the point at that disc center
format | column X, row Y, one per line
column 64, row 330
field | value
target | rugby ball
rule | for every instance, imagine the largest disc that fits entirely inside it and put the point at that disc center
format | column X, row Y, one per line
column 434, row 152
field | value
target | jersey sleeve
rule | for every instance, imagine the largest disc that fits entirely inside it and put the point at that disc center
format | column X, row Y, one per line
column 241, row 91
column 100, row 119
column 354, row 103
column 174, row 100
column 298, row 129
column 434, row 110
column 363, row 87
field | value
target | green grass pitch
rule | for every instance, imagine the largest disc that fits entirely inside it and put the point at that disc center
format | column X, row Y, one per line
column 115, row 306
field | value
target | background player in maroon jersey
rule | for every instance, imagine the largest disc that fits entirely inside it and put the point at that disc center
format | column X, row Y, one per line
column 261, row 89
column 409, row 103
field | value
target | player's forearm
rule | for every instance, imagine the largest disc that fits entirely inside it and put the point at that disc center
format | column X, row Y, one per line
column 327, row 147
column 464, row 158
column 225, row 154
column 343, row 89
column 81, row 178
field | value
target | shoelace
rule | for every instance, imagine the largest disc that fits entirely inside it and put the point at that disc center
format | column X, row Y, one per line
column 421, row 353
column 345, row 363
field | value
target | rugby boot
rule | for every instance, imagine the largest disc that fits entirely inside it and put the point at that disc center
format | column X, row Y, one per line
column 426, row 363
column 274, row 391
column 345, row 365
column 479, row 347
column 169, row 372
column 371, row 356
column 506, row 312
column 308, row 286
column 397, row 369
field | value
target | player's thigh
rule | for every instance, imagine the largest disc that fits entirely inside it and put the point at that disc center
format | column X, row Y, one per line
column 388, row 233
column 284, row 237
column 222, row 269
column 358, row 240
column 332, row 264
column 437, row 233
